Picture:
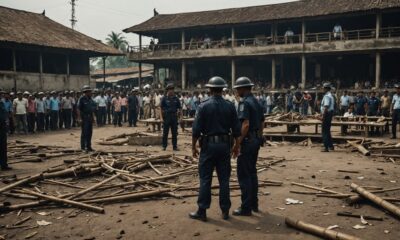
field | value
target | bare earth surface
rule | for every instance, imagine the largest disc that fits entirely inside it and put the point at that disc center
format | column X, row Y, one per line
column 168, row 218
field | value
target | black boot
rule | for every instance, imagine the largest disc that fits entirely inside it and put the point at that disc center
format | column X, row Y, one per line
column 255, row 209
column 225, row 215
column 241, row 212
column 199, row 215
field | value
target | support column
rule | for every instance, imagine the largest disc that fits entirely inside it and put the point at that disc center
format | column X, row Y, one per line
column 273, row 70
column 233, row 72
column 303, row 71
column 15, row 69
column 104, row 72
column 183, row 40
column 378, row 70
column 303, row 32
column 68, row 73
column 233, row 37
column 378, row 24
column 183, row 72
column 140, row 62
column 41, row 71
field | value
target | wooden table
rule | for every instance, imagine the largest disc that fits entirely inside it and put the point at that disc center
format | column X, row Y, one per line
column 366, row 125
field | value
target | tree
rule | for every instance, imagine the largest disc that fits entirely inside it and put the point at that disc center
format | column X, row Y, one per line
column 117, row 41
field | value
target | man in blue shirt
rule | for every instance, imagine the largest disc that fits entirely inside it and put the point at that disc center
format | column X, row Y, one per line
column 373, row 105
column 327, row 108
column 395, row 111
column 54, row 111
column 344, row 103
column 3, row 134
column 361, row 104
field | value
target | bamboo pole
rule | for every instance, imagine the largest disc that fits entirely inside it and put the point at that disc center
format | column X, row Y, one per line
column 133, row 196
column 377, row 200
column 360, row 148
column 66, row 201
column 84, row 191
column 356, row 198
column 319, row 231
column 21, row 182
column 316, row 188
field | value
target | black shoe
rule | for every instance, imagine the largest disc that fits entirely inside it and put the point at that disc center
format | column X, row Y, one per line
column 6, row 168
column 241, row 212
column 255, row 209
column 393, row 137
column 332, row 148
column 225, row 215
column 176, row 149
column 90, row 150
column 199, row 215
column 325, row 150
column 164, row 149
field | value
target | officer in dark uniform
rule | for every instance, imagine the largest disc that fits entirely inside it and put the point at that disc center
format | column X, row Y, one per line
column 3, row 134
column 133, row 108
column 215, row 124
column 251, row 116
column 170, row 111
column 327, row 111
column 86, row 111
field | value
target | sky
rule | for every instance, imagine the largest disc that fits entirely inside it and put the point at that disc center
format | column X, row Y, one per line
column 97, row 18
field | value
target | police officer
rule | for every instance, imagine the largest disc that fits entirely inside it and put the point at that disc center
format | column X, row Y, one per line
column 86, row 113
column 170, row 110
column 327, row 108
column 3, row 134
column 251, row 116
column 133, row 108
column 215, row 124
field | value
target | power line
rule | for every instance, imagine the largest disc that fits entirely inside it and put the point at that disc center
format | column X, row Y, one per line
column 73, row 18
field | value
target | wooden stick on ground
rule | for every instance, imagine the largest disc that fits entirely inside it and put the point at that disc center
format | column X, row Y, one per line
column 316, row 188
column 319, row 231
column 360, row 148
column 21, row 182
column 82, row 192
column 349, row 214
column 354, row 199
column 66, row 201
column 377, row 200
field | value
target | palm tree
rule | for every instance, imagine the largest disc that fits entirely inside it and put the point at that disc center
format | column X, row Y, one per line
column 116, row 40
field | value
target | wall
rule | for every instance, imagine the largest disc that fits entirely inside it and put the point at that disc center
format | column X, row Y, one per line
column 32, row 82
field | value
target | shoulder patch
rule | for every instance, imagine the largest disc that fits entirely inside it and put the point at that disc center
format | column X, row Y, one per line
column 241, row 107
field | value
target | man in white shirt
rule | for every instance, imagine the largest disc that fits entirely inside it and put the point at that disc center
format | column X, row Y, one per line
column 344, row 102
column 337, row 31
column 101, row 101
column 66, row 106
column 20, row 108
column 146, row 106
column 157, row 105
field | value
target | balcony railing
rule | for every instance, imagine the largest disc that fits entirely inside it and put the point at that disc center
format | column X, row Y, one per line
column 388, row 32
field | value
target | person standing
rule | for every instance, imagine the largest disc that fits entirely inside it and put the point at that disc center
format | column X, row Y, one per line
column 133, row 108
column 101, row 101
column 385, row 104
column 157, row 105
column 109, row 107
column 373, row 105
column 327, row 108
column 147, row 106
column 3, row 134
column 31, row 117
column 124, row 107
column 48, row 111
column 361, row 103
column 307, row 99
column 215, row 124
column 170, row 112
column 20, row 108
column 66, row 106
column 116, row 103
column 86, row 114
column 54, row 111
column 395, row 111
column 344, row 103
column 40, row 109
column 251, row 116
column 8, row 104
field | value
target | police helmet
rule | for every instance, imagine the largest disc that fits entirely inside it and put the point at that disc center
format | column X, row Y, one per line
column 216, row 82
column 86, row 88
column 243, row 82
column 169, row 86
column 327, row 85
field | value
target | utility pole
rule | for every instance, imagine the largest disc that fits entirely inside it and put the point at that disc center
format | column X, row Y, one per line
column 73, row 18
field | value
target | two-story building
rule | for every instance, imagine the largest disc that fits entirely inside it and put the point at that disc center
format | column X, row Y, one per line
column 39, row 54
column 303, row 43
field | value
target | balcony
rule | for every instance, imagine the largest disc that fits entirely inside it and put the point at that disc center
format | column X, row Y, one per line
column 346, row 41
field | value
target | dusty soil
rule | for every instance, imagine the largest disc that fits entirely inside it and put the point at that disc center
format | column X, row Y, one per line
column 168, row 218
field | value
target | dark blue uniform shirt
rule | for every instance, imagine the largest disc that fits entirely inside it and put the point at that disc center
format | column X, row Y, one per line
column 3, row 113
column 216, row 116
column 373, row 104
column 250, row 109
column 133, row 102
column 360, row 103
column 87, row 106
column 170, row 104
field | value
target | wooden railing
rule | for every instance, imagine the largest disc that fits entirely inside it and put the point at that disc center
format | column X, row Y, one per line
column 388, row 32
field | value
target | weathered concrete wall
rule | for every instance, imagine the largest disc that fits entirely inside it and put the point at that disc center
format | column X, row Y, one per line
column 284, row 49
column 48, row 82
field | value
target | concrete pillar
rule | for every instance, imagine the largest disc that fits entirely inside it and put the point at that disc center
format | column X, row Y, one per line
column 183, row 42
column 14, row 69
column 233, row 37
column 303, row 71
column 140, row 63
column 378, row 24
column 273, row 71
column 303, row 32
column 233, row 72
column 41, row 71
column 378, row 70
column 183, row 72
column 68, row 72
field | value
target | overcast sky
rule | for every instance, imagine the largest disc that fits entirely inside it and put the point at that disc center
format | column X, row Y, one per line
column 97, row 18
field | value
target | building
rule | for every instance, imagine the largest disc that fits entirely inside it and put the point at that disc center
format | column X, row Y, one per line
column 122, row 77
column 37, row 53
column 303, row 43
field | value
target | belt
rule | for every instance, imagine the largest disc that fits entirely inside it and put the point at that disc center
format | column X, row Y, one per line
column 253, row 134
column 217, row 139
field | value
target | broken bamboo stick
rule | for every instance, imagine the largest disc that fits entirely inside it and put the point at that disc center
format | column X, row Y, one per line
column 318, row 231
column 33, row 178
column 133, row 196
column 360, row 148
column 377, row 200
column 316, row 188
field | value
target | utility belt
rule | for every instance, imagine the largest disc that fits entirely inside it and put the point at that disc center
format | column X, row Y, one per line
column 217, row 139
column 254, row 134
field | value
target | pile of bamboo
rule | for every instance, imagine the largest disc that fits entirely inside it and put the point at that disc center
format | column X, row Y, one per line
column 377, row 148
column 100, row 178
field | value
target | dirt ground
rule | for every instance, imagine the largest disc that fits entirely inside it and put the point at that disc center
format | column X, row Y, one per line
column 168, row 218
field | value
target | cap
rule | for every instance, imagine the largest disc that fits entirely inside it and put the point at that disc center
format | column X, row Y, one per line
column 26, row 93
column 327, row 85
column 41, row 93
column 169, row 86
column 243, row 82
column 86, row 88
